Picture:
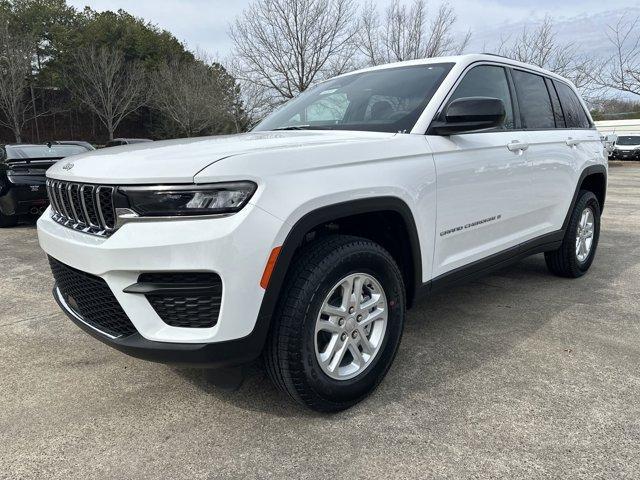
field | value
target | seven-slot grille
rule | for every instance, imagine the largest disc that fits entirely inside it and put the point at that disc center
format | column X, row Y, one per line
column 82, row 206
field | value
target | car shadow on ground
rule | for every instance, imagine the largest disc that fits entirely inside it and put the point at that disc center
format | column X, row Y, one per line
column 448, row 335
column 26, row 222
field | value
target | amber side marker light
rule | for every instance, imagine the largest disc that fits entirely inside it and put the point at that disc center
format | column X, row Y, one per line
column 268, row 270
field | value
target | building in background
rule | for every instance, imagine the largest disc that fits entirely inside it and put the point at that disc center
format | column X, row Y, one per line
column 608, row 127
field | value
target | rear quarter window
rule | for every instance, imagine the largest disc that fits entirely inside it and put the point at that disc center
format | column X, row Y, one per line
column 574, row 113
column 557, row 107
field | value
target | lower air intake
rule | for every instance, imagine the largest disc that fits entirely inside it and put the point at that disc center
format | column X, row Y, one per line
column 186, row 310
column 91, row 298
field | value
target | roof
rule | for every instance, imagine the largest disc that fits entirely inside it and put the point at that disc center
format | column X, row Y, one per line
column 462, row 59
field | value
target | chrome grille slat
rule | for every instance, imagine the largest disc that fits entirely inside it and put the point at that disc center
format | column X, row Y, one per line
column 74, row 193
column 82, row 206
column 52, row 199
column 105, row 218
column 75, row 217
column 61, row 200
column 89, row 210
column 56, row 195
column 96, row 199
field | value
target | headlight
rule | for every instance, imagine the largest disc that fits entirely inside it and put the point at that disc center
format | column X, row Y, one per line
column 182, row 200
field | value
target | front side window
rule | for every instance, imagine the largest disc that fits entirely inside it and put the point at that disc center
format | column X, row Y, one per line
column 385, row 100
column 574, row 114
column 487, row 81
column 534, row 101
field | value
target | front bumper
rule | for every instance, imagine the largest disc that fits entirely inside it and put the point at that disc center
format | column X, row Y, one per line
column 205, row 355
column 625, row 155
column 234, row 247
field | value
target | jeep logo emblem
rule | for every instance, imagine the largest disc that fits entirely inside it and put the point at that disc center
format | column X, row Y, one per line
column 67, row 166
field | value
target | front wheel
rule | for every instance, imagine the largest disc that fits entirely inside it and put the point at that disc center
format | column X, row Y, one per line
column 578, row 249
column 338, row 323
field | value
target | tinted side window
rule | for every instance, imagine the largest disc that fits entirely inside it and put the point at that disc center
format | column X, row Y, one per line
column 534, row 101
column 487, row 81
column 573, row 111
column 555, row 101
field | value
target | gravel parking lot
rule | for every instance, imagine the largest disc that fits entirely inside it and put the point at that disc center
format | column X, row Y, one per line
column 518, row 375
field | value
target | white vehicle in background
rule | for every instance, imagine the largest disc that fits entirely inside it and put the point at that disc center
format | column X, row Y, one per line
column 306, row 240
column 626, row 147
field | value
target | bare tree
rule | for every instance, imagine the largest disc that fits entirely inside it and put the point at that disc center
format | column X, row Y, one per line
column 16, row 55
column 107, row 84
column 622, row 71
column 284, row 46
column 407, row 33
column 540, row 46
column 197, row 97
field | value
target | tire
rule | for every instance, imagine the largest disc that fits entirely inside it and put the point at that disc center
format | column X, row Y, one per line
column 291, row 354
column 565, row 261
column 8, row 220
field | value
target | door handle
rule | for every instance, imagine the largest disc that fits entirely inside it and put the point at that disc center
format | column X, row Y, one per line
column 516, row 146
column 572, row 142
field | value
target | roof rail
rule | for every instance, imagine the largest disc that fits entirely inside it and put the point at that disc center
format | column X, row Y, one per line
column 498, row 55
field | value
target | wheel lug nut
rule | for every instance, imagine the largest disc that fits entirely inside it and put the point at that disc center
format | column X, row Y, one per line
column 343, row 337
column 359, row 318
column 341, row 322
column 351, row 310
column 355, row 334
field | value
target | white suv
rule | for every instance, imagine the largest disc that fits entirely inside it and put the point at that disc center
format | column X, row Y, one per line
column 306, row 240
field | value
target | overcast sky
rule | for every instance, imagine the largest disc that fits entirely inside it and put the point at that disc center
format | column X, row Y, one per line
column 203, row 24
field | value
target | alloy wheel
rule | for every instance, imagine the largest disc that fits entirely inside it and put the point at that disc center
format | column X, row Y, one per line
column 351, row 326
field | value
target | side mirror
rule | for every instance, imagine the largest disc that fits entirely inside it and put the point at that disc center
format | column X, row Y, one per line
column 469, row 114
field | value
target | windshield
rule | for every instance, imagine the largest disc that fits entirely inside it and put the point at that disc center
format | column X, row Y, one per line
column 387, row 100
column 25, row 152
column 628, row 140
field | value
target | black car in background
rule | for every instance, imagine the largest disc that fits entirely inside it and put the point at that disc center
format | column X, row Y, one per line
column 116, row 142
column 22, row 177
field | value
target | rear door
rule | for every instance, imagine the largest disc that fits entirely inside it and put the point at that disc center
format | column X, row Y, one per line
column 482, row 179
column 581, row 135
column 551, row 160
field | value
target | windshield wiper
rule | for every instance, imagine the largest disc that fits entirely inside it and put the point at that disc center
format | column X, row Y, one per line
column 293, row 127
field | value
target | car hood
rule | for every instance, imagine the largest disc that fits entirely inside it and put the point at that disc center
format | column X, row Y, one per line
column 178, row 161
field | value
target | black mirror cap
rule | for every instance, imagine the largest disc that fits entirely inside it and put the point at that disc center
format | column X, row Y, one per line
column 469, row 114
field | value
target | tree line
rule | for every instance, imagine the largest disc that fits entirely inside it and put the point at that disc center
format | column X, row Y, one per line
column 66, row 73
column 84, row 74
column 284, row 46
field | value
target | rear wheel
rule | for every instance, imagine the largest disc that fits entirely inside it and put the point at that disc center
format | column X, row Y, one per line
column 578, row 248
column 338, row 323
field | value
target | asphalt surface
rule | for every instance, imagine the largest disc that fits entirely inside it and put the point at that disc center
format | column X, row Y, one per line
column 518, row 375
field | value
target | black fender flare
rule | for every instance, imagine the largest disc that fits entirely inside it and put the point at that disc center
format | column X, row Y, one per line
column 591, row 170
column 318, row 217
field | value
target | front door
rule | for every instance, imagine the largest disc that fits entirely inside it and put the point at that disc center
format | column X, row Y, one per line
column 483, row 189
